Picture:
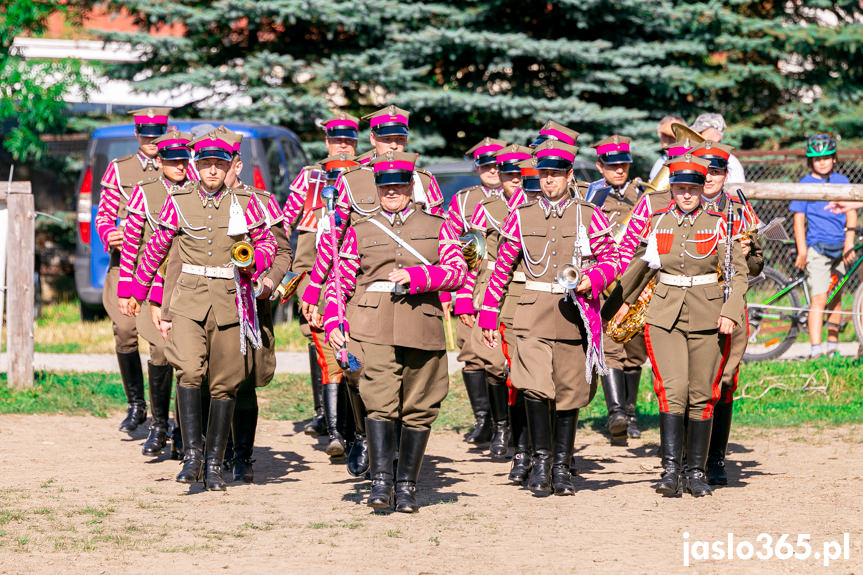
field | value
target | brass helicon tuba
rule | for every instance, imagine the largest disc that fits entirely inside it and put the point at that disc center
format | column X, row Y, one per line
column 472, row 248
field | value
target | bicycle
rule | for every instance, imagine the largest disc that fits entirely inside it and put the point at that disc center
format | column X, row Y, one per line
column 776, row 316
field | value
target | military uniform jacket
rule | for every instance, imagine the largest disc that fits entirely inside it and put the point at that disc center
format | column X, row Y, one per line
column 369, row 254
column 143, row 218
column 200, row 224
column 358, row 199
column 688, row 245
column 545, row 236
column 118, row 183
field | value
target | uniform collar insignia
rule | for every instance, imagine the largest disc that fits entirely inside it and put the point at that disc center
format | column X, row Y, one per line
column 146, row 162
column 216, row 198
column 399, row 217
column 558, row 208
column 491, row 193
column 683, row 216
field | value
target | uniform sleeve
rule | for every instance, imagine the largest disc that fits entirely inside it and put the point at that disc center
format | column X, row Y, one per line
column 109, row 204
column 434, row 197
column 508, row 254
column 449, row 274
column 274, row 210
column 349, row 264
column 292, row 212
column 324, row 260
column 602, row 245
column 454, row 215
column 634, row 230
column 638, row 274
column 132, row 233
column 156, row 249
column 262, row 237
column 734, row 307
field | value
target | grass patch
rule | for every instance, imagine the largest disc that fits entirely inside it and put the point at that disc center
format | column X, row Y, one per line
column 74, row 393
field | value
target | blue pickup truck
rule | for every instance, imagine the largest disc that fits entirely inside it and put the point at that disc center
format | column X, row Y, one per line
column 272, row 157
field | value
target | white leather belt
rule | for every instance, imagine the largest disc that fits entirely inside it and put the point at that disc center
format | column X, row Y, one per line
column 387, row 287
column 517, row 277
column 547, row 287
column 688, row 281
column 209, row 271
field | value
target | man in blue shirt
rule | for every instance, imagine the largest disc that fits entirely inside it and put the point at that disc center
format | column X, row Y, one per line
column 826, row 239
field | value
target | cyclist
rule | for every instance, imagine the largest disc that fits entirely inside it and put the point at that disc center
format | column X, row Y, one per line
column 828, row 238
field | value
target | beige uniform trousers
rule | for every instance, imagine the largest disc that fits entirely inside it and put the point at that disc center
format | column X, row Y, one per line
column 203, row 351
column 147, row 329
column 552, row 369
column 687, row 367
column 125, row 330
column 403, row 382
column 476, row 355
column 627, row 356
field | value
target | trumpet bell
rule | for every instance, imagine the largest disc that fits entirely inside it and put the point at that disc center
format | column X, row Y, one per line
column 287, row 287
column 569, row 277
column 242, row 255
column 473, row 248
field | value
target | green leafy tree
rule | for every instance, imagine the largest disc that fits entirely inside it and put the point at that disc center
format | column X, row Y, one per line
column 467, row 69
column 31, row 92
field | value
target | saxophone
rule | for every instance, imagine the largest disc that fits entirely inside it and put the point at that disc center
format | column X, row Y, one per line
column 633, row 322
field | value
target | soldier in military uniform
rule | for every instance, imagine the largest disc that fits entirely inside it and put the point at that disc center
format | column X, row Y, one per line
column 617, row 195
column 143, row 211
column 118, row 183
column 688, row 319
column 306, row 211
column 557, row 328
column 303, row 213
column 745, row 221
column 489, row 219
column 214, row 319
column 392, row 264
column 245, row 419
column 475, row 357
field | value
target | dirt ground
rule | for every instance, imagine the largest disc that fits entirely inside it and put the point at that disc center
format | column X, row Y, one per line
column 77, row 496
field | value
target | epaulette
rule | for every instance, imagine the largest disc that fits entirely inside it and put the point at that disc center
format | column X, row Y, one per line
column 423, row 171
column 148, row 181
column 440, row 216
column 244, row 191
column 187, row 188
column 354, row 169
column 468, row 189
column 527, row 204
column 126, row 158
column 492, row 199
column 665, row 210
column 712, row 213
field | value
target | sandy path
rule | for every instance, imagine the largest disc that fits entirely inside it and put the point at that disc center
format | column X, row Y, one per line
column 100, row 507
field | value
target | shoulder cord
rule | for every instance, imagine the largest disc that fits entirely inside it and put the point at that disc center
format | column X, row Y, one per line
column 400, row 241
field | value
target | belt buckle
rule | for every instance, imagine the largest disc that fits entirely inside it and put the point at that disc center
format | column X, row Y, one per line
column 399, row 289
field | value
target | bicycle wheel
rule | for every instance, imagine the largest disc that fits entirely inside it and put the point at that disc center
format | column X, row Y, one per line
column 771, row 330
column 858, row 309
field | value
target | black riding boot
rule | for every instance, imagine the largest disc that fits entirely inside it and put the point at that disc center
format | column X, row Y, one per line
column 564, row 438
column 318, row 424
column 218, row 428
column 477, row 393
column 133, row 385
column 719, row 443
column 631, row 379
column 358, row 456
column 412, row 447
column 161, row 381
column 498, row 394
column 245, row 423
column 176, row 434
column 697, row 444
column 189, row 399
column 671, row 429
column 336, row 445
column 382, row 446
column 521, row 459
column 539, row 413
column 614, row 389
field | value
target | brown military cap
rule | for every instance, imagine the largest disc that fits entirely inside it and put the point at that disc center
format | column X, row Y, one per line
column 233, row 138
column 151, row 122
column 394, row 168
column 554, row 131
column 508, row 158
column 483, row 153
column 174, row 146
column 714, row 152
column 555, row 155
column 389, row 121
column 337, row 163
column 342, row 125
column 614, row 150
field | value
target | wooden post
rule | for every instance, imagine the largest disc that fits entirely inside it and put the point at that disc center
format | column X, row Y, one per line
column 20, row 261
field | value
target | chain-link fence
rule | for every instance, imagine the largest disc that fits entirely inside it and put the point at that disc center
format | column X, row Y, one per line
column 789, row 166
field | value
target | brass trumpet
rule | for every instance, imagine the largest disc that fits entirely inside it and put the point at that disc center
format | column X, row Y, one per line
column 287, row 287
column 243, row 256
column 473, row 248
column 569, row 277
